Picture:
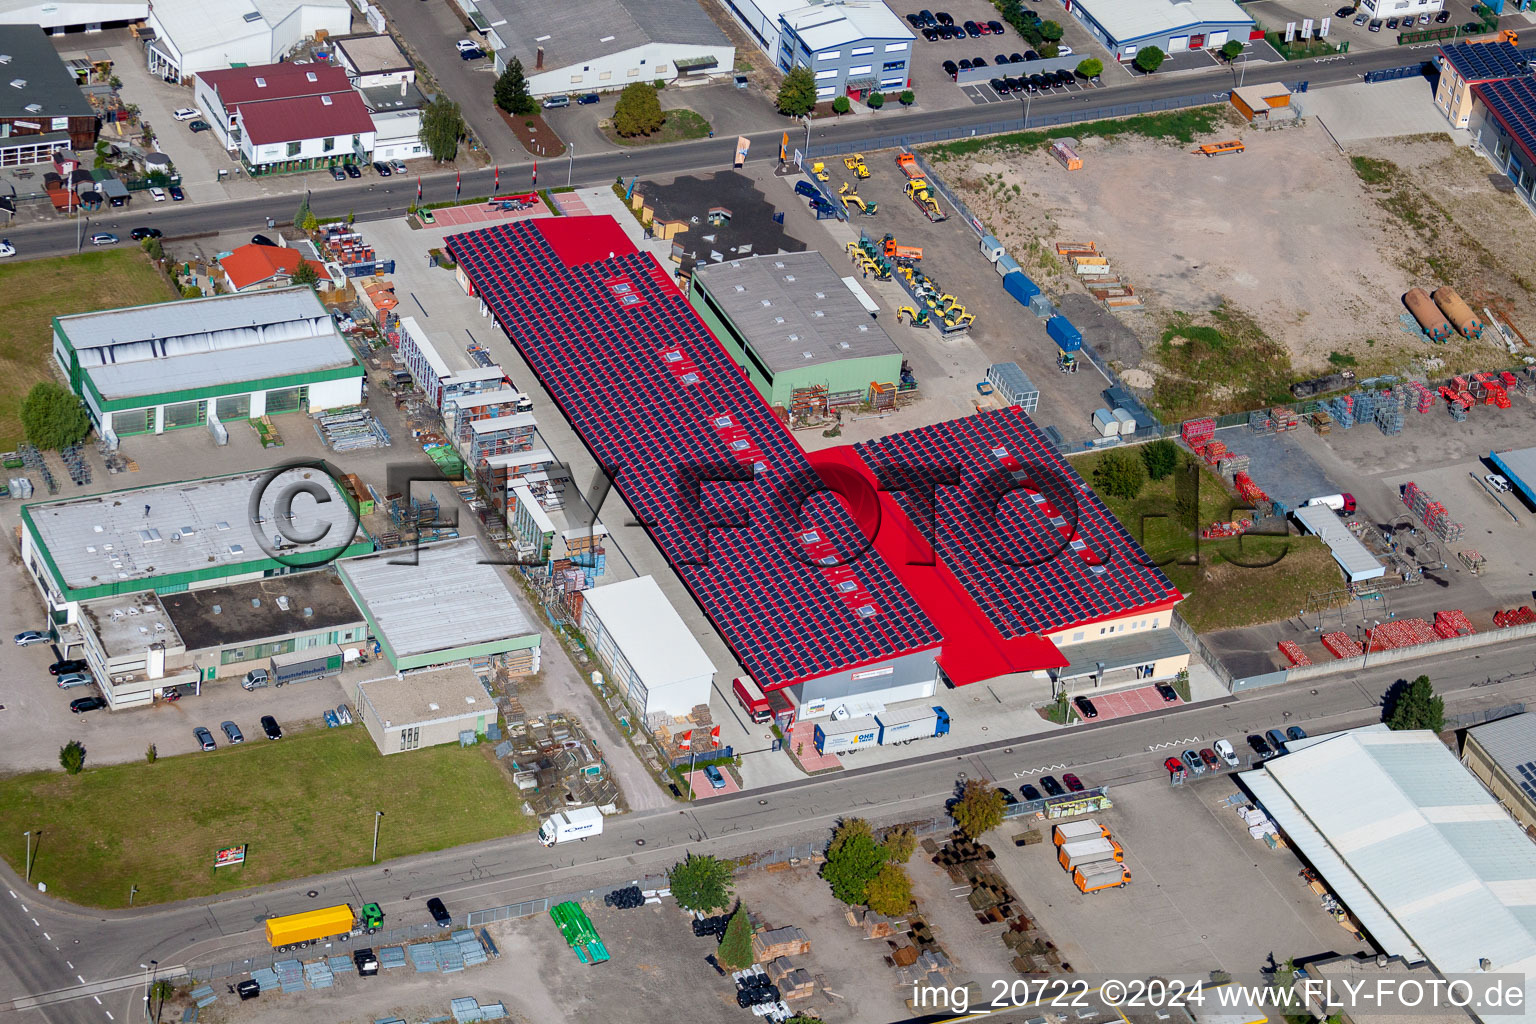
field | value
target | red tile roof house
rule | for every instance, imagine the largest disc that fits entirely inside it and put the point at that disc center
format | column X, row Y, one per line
column 255, row 267
column 286, row 117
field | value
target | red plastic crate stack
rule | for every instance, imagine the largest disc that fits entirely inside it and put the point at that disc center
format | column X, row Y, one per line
column 1247, row 489
column 1453, row 622
column 1424, row 396
column 1508, row 379
column 1400, row 633
column 1285, row 418
column 1294, row 654
column 1514, row 617
column 1497, row 396
column 1213, row 452
column 1342, row 645
column 1197, row 432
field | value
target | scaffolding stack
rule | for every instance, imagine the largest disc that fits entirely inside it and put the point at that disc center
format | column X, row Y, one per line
column 1389, row 418
column 1432, row 512
column 1341, row 410
column 1261, row 422
column 352, row 429
column 74, row 462
column 32, row 459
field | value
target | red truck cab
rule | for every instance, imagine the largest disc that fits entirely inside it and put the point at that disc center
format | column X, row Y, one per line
column 752, row 699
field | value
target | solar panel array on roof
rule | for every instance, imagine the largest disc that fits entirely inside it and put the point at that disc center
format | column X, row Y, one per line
column 1513, row 103
column 1528, row 778
column 1477, row 62
column 1052, row 556
column 653, row 395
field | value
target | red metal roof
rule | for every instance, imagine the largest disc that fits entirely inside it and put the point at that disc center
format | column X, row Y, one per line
column 235, row 86
column 253, row 264
column 305, row 117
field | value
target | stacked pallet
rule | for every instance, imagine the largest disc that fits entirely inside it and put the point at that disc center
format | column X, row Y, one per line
column 1390, row 419
column 1432, row 512
column 1321, row 422
column 1399, row 633
column 1514, row 617
column 1285, row 418
column 1453, row 622
column 1197, row 432
column 1232, row 465
column 1294, row 654
column 1423, row 398
column 772, row 943
column 1261, row 422
column 1248, row 490
column 1342, row 645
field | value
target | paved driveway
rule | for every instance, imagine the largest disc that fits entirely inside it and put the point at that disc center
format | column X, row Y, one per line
column 1125, row 703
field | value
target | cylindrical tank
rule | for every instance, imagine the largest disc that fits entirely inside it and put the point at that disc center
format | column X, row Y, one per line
column 1427, row 314
column 1458, row 313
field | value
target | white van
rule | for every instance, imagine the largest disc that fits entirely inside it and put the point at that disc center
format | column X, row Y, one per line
column 255, row 679
column 1225, row 752
column 186, row 114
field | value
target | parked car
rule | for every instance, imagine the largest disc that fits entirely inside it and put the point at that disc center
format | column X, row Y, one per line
column 556, row 102
column 1276, row 739
column 1442, row 17
column 139, row 234
column 951, row 69
column 978, row 62
column 1015, row 85
column 931, row 34
column 119, row 201
column 1224, row 751
column 255, row 679
column 1343, row 12
column 80, row 705
column 1295, row 732
column 382, row 169
column 200, row 126
column 1000, row 59
column 398, row 166
column 915, row 21
column 1031, row 55
column 716, row 779
column 64, row 667
column 1050, row 785
column 1375, row 25
column 331, row 721
column 1209, row 757
column 1193, row 762
column 1168, row 693
column 1036, row 82
column 6, row 248
column 1424, row 18
column 1008, row 797
column 1015, row 58
column 1064, row 51
column 1063, row 77
column 1028, row 793
column 1497, row 481
column 465, row 45
column 186, row 113
column 344, row 713
column 353, row 171
column 104, row 238
column 1174, row 766
column 965, row 64
column 439, row 913
column 943, row 18
column 28, row 637
column 1074, row 784
column 1362, row 18
column 337, row 174
column 157, row 194
column 232, row 732
column 1085, row 707
column 177, row 195
column 271, row 728
column 262, row 240
column 972, row 29
column 995, row 27
column 927, row 18
column 1391, row 24
column 588, row 97
column 204, row 738
column 1259, row 747
column 70, row 680
column 1469, row 27
column 999, row 86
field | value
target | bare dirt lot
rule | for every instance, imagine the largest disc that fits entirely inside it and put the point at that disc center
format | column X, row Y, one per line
column 1290, row 248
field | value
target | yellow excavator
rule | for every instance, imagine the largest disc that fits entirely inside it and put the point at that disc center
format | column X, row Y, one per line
column 915, row 317
column 855, row 163
column 851, row 200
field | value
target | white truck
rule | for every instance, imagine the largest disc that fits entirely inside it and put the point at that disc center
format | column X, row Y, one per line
column 1075, row 831
column 1343, row 504
column 578, row 823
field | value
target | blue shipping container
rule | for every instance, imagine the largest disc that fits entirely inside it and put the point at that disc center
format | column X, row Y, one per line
column 1067, row 337
column 1020, row 287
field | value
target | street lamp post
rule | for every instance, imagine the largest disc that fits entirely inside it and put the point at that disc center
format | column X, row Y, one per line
column 149, row 992
column 376, row 816
column 807, row 151
column 133, row 891
column 570, row 163
column 28, row 834
column 1029, row 99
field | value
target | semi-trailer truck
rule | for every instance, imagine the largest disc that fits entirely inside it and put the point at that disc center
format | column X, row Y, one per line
column 1099, row 877
column 1343, row 504
column 1075, row 831
column 577, row 823
column 908, row 724
column 1073, row 855
column 295, row 931
column 847, row 735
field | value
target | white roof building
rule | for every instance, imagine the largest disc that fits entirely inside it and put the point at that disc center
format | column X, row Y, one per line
column 1423, row 856
column 648, row 649
column 59, row 16
column 1173, row 26
column 189, row 36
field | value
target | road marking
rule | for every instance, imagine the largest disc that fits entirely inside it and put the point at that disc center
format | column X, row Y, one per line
column 13, row 894
column 47, row 936
column 98, row 1000
column 82, row 980
column 1174, row 743
column 69, row 965
column 1037, row 771
column 109, row 1015
column 34, row 921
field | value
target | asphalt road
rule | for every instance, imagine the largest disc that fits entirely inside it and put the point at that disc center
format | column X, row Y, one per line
column 390, row 197
column 57, row 968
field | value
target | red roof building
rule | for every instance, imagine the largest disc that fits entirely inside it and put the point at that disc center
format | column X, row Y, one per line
column 254, row 267
column 286, row 116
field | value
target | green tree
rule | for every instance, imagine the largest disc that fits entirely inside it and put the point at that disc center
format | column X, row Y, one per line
column 310, row 224
column 305, row 273
column 1232, row 50
column 700, row 883
column 890, row 891
column 1120, row 475
column 841, row 105
column 53, row 417
column 979, row 809
column 797, row 93
column 151, row 754
column 853, row 860
column 735, row 951
column 1050, row 31
column 907, row 97
column 511, row 92
column 442, row 125
column 876, row 100
column 302, row 214
column 1090, row 68
column 1161, row 458
column 72, row 757
column 900, row 844
column 1150, row 58
column 638, row 111
column 1049, row 50
column 191, row 291
column 1415, row 706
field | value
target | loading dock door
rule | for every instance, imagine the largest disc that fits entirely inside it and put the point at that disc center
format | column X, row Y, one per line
column 1217, row 40
column 1178, row 44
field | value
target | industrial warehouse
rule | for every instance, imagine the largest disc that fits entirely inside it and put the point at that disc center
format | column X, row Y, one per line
column 874, row 629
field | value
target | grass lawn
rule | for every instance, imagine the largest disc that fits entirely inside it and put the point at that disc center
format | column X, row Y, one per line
column 680, row 126
column 305, row 804
column 34, row 291
column 1182, row 126
column 1230, row 583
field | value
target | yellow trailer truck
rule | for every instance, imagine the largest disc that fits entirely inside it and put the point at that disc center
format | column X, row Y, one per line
column 296, row 931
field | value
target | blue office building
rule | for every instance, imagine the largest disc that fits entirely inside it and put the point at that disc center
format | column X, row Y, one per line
column 853, row 49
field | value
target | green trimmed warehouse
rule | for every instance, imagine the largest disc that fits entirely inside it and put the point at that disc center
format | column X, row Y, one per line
column 149, row 369
column 792, row 322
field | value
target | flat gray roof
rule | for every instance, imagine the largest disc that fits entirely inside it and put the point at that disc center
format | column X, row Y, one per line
column 384, row 98
column 1511, row 742
column 201, row 526
column 127, row 625
column 436, row 695
column 373, row 53
column 577, row 30
column 794, row 310
column 448, row 598
column 1353, row 557
column 1520, row 464
column 1140, row 648
column 44, row 80
column 267, row 609
column 201, row 343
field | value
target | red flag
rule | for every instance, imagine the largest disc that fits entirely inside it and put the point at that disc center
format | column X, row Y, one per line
column 497, row 186
column 714, row 736
column 686, row 743
column 535, row 170
column 418, row 188
column 458, row 182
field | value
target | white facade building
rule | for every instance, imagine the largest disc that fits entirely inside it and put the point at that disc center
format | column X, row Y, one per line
column 851, row 48
column 57, row 17
column 649, row 652
column 188, row 36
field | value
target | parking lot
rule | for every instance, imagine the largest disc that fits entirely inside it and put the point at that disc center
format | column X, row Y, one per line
column 1275, row 14
column 1124, row 703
